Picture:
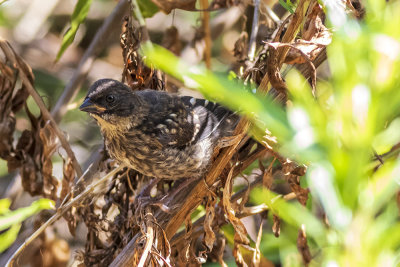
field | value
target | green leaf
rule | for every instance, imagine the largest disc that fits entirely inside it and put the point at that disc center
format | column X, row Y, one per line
column 14, row 217
column 4, row 205
column 78, row 16
column 8, row 237
column 287, row 5
column 148, row 8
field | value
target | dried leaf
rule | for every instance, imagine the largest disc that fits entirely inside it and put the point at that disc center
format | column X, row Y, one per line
column 302, row 246
column 276, row 227
column 291, row 170
column 209, row 235
column 19, row 99
column 237, row 254
column 217, row 253
column 240, row 50
column 50, row 144
column 171, row 40
column 257, row 254
column 188, row 238
column 68, row 178
column 66, row 183
column 314, row 39
column 31, row 179
column 136, row 74
column 240, row 230
column 267, row 175
column 167, row 5
column 7, row 127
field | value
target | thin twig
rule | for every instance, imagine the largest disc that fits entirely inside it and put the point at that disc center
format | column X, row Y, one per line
column 46, row 114
column 254, row 30
column 149, row 240
column 60, row 212
column 95, row 47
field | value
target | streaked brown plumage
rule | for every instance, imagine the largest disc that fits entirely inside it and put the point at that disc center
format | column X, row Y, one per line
column 157, row 133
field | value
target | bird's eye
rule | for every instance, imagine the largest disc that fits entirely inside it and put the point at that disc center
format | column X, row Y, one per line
column 110, row 98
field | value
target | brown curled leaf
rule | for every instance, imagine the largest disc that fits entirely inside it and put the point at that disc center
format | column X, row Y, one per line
column 314, row 39
column 7, row 127
column 50, row 143
column 31, row 178
column 267, row 175
column 276, row 227
column 136, row 74
column 291, row 170
column 237, row 254
column 302, row 246
column 240, row 49
column 19, row 99
column 66, row 183
column 68, row 178
column 171, row 40
column 209, row 235
column 167, row 5
column 240, row 230
column 186, row 251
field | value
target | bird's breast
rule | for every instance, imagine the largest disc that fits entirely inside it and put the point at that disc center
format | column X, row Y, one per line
column 141, row 152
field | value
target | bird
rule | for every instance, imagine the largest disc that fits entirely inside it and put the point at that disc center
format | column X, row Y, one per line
column 159, row 134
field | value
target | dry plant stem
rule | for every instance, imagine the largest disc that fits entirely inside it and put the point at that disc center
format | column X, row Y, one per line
column 288, row 37
column 95, row 47
column 254, row 30
column 46, row 114
column 257, row 253
column 60, row 212
column 293, row 28
column 149, row 240
column 207, row 34
column 222, row 22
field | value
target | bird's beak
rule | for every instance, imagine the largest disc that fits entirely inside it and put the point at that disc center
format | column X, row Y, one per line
column 90, row 107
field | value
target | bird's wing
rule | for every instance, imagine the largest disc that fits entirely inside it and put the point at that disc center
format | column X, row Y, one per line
column 213, row 119
column 180, row 120
column 170, row 121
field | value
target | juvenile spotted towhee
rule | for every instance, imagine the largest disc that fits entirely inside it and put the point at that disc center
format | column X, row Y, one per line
column 159, row 134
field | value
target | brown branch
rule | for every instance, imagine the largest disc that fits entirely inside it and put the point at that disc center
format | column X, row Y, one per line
column 193, row 53
column 95, row 47
column 46, row 114
column 254, row 31
column 149, row 240
column 207, row 34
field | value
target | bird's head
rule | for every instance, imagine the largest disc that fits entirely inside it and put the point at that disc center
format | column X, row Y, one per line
column 113, row 104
